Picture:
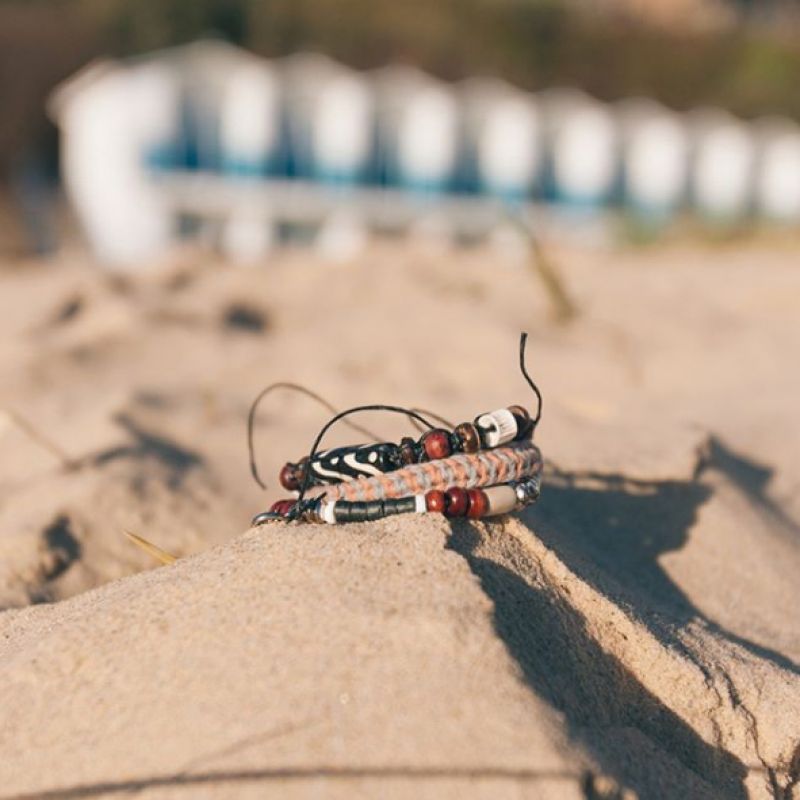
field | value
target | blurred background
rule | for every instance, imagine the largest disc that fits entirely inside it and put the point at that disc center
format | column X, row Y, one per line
column 128, row 128
column 372, row 199
column 415, row 183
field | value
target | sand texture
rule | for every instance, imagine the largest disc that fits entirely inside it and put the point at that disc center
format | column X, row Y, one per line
column 635, row 634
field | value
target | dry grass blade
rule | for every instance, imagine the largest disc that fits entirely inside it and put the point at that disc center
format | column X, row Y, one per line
column 564, row 309
column 151, row 549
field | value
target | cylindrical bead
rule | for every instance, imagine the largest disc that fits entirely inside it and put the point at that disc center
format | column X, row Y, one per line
column 497, row 428
column 502, row 499
column 401, row 505
column 345, row 463
column 327, row 513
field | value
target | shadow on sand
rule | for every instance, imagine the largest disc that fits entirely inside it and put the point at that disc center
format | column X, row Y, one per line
column 610, row 531
column 284, row 775
column 566, row 666
column 178, row 461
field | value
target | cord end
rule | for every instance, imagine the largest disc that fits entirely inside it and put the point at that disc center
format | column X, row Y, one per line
column 523, row 340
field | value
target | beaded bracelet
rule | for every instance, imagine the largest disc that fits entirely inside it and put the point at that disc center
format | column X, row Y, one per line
column 483, row 468
column 345, row 463
column 456, row 501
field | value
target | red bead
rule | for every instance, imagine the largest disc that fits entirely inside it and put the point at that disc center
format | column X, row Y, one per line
column 478, row 503
column 436, row 444
column 288, row 478
column 281, row 507
column 435, row 501
column 470, row 440
column 457, row 502
column 408, row 453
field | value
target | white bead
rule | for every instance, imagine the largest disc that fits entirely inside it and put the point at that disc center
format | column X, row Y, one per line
column 420, row 506
column 502, row 499
column 327, row 513
column 498, row 428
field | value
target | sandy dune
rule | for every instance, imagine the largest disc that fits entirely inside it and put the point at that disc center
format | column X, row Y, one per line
column 634, row 634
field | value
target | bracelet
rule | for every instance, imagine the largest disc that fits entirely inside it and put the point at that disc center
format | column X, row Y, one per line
column 346, row 463
column 454, row 502
column 512, row 466
column 475, row 470
column 479, row 469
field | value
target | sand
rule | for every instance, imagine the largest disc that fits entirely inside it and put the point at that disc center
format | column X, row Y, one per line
column 634, row 634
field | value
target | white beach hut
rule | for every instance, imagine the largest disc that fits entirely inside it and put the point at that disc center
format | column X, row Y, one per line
column 124, row 123
column 342, row 129
column 331, row 119
column 251, row 147
column 331, row 129
column 214, row 80
column 655, row 159
column 250, row 117
column 235, row 103
column 777, row 189
column 582, row 143
column 418, row 127
column 723, row 166
column 504, row 138
column 112, row 120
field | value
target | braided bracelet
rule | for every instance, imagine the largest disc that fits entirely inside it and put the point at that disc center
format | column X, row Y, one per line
column 478, row 469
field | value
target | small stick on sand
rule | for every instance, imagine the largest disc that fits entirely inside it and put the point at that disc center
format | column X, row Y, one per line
column 151, row 549
column 564, row 309
column 39, row 438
